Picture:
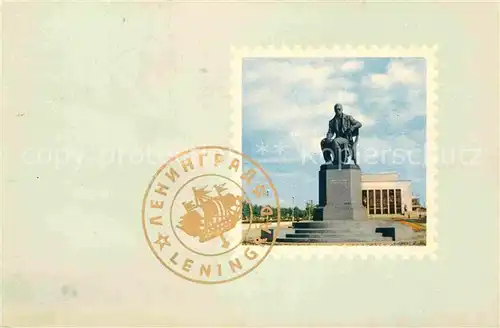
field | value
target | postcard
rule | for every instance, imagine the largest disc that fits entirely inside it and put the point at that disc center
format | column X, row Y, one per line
column 281, row 164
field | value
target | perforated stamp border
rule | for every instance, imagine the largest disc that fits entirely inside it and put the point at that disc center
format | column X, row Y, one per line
column 429, row 52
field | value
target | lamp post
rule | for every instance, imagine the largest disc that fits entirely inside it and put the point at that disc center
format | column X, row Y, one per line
column 293, row 208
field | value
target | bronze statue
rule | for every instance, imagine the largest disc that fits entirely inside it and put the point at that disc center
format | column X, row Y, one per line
column 341, row 139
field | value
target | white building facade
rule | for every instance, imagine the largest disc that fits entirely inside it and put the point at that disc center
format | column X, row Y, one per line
column 385, row 195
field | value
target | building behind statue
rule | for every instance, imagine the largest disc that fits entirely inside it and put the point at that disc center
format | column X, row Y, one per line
column 384, row 194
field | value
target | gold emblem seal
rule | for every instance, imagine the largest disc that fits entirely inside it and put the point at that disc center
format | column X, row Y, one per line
column 197, row 214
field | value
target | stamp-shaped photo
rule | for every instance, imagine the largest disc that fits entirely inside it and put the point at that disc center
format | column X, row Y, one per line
column 347, row 136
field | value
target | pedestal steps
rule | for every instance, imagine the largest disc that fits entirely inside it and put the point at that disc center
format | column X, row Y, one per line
column 328, row 225
column 331, row 234
column 324, row 239
column 334, row 231
column 320, row 231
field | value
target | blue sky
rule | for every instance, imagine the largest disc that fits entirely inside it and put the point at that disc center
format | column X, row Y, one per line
column 287, row 104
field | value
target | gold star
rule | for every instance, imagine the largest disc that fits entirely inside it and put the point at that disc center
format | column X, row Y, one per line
column 162, row 241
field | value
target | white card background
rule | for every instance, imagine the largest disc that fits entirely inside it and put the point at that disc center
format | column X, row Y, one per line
column 106, row 83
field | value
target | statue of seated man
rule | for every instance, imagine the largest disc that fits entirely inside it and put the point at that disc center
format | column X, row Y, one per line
column 339, row 141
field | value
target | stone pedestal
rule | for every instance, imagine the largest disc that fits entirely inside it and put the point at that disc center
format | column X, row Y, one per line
column 340, row 195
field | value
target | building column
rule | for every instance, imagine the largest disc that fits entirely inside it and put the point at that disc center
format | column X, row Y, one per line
column 381, row 203
column 394, row 205
column 368, row 201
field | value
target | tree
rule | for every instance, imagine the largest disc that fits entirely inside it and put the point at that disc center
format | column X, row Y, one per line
column 309, row 210
column 283, row 213
column 245, row 211
column 256, row 211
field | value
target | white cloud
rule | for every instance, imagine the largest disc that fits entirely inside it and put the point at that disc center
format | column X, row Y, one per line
column 270, row 108
column 352, row 66
column 399, row 108
column 397, row 73
column 399, row 95
column 380, row 99
column 359, row 116
column 286, row 72
column 403, row 73
column 345, row 97
column 380, row 81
